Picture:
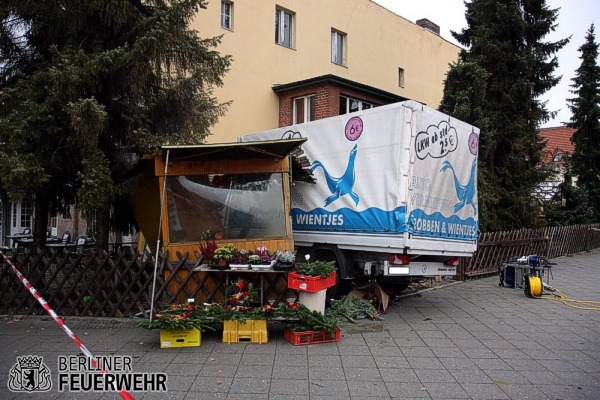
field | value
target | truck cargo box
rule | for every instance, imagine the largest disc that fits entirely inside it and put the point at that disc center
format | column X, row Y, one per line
column 400, row 178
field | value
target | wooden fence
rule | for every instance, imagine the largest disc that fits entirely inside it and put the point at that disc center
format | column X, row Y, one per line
column 551, row 242
column 96, row 284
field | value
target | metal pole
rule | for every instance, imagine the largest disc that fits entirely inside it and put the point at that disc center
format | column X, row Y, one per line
column 162, row 206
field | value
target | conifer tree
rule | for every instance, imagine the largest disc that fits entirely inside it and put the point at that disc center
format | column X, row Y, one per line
column 496, row 84
column 571, row 204
column 585, row 109
column 87, row 87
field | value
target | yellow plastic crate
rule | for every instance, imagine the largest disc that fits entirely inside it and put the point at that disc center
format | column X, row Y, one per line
column 251, row 331
column 177, row 338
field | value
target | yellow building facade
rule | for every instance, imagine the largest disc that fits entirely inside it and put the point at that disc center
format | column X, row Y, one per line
column 355, row 46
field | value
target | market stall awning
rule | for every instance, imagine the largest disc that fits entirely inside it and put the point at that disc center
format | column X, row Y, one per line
column 247, row 150
column 234, row 150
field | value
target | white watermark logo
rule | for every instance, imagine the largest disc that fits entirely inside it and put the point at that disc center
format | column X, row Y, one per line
column 29, row 374
column 80, row 374
column 83, row 374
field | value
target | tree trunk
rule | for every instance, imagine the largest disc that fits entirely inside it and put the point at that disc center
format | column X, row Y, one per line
column 40, row 222
column 102, row 228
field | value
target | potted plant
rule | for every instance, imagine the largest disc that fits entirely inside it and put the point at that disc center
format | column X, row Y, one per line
column 254, row 259
column 240, row 260
column 207, row 250
column 265, row 257
column 224, row 253
column 285, row 259
column 323, row 269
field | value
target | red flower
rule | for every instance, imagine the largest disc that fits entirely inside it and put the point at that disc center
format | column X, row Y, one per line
column 267, row 309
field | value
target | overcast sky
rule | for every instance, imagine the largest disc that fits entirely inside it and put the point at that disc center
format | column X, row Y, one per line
column 574, row 19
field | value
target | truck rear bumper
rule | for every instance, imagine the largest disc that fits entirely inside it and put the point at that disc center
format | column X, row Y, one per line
column 418, row 269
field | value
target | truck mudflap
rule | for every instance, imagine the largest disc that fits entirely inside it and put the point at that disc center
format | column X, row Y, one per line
column 418, row 268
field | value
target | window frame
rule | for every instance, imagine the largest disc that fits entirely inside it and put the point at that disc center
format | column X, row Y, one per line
column 362, row 105
column 227, row 14
column 338, row 37
column 308, row 104
column 401, row 76
column 284, row 37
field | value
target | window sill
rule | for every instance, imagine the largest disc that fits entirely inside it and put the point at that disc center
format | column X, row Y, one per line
column 339, row 65
column 284, row 46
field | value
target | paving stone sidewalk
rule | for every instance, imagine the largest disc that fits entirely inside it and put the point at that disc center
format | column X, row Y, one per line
column 467, row 340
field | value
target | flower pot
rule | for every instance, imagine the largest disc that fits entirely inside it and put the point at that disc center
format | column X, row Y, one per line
column 238, row 267
column 314, row 301
column 283, row 266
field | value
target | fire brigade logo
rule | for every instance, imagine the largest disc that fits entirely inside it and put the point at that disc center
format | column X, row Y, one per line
column 29, row 374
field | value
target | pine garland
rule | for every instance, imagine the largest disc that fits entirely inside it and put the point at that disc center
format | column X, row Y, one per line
column 352, row 308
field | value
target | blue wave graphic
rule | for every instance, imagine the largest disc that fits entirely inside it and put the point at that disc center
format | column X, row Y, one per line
column 371, row 220
column 436, row 225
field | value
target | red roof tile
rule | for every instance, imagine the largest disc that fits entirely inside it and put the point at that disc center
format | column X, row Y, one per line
column 558, row 140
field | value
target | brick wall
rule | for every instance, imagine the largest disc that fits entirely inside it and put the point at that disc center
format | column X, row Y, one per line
column 327, row 101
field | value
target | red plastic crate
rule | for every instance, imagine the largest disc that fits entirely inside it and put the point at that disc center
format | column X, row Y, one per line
column 310, row 284
column 310, row 337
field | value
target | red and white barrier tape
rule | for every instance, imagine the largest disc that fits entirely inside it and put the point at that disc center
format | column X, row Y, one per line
column 124, row 394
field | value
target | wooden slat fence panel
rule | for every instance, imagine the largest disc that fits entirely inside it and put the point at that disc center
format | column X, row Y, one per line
column 551, row 242
column 96, row 284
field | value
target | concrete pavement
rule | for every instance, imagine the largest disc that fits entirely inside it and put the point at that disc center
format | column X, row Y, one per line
column 465, row 340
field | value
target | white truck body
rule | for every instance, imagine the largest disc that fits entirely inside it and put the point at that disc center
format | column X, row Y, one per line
column 393, row 180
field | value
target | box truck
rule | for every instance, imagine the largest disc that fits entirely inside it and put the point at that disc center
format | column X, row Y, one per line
column 394, row 196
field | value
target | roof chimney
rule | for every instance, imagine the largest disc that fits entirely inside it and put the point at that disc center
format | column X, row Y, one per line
column 430, row 26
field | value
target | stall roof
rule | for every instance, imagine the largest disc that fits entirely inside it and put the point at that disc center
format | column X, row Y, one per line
column 234, row 150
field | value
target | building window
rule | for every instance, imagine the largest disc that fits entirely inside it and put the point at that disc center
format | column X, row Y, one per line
column 348, row 105
column 338, row 47
column 401, row 77
column 284, row 21
column 26, row 214
column 304, row 109
column 54, row 226
column 227, row 15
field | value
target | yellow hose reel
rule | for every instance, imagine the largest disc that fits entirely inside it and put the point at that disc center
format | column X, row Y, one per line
column 533, row 286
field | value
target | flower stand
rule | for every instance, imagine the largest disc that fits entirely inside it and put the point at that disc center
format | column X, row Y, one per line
column 250, row 331
column 310, row 337
column 179, row 338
